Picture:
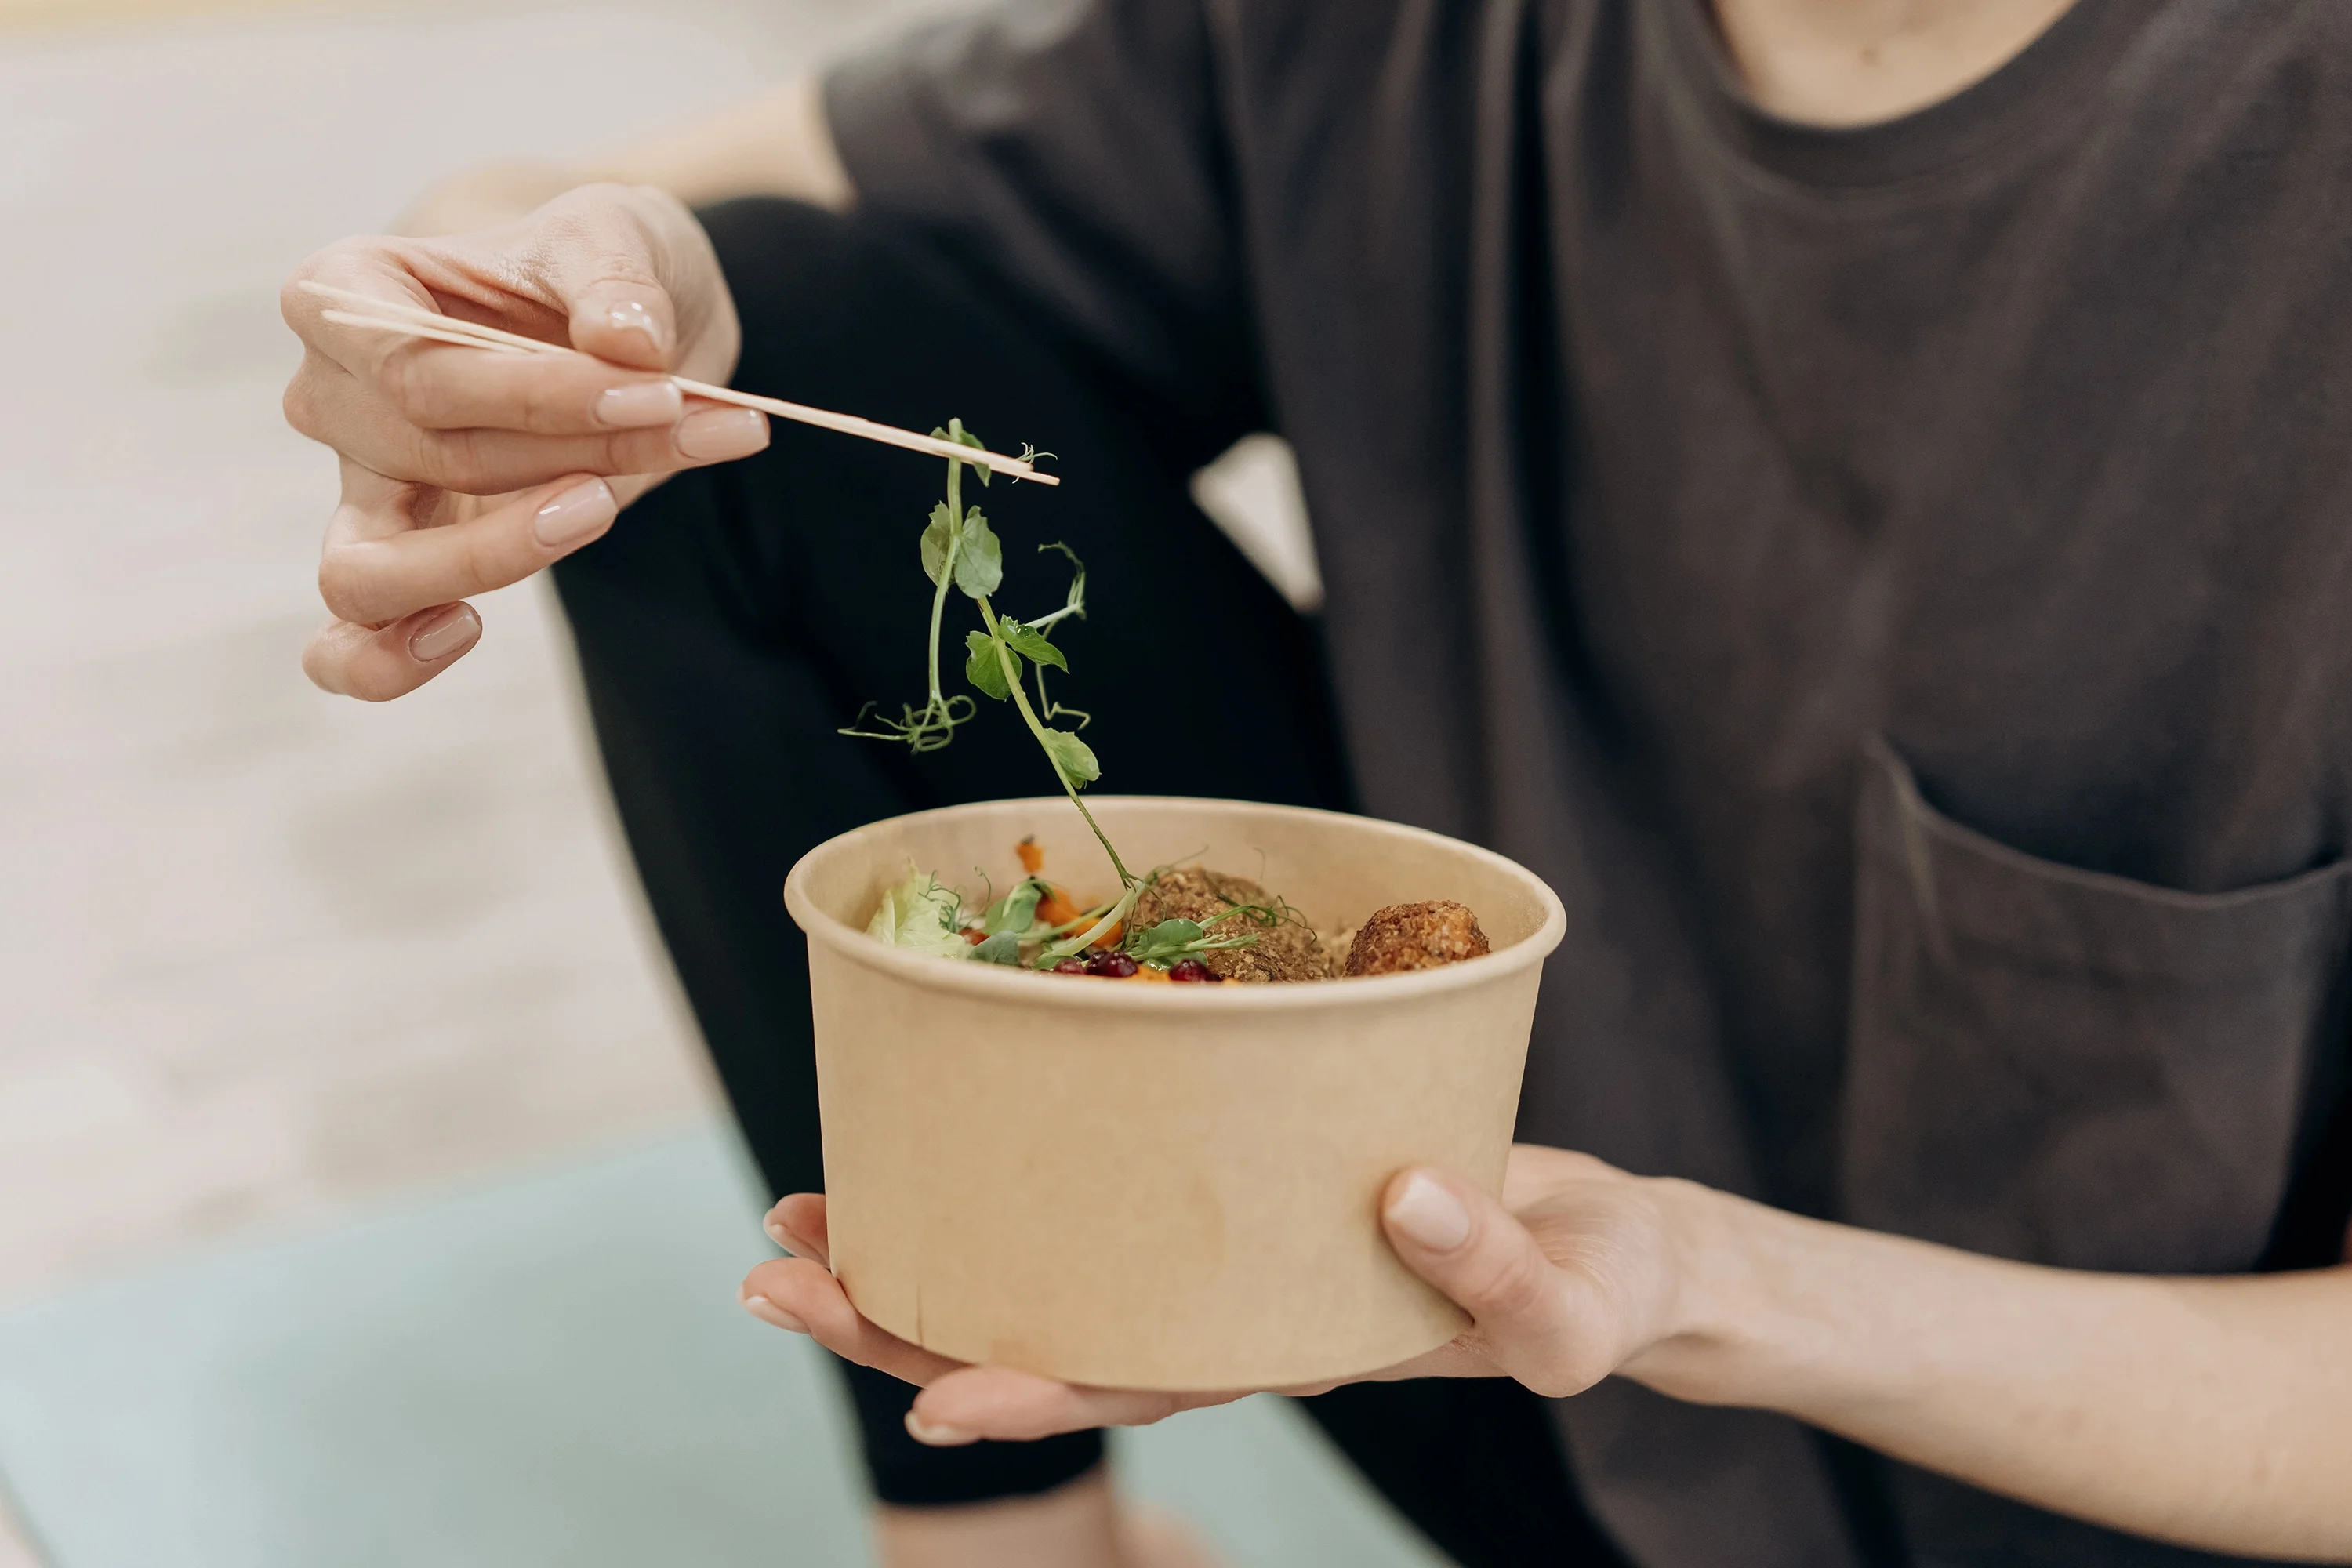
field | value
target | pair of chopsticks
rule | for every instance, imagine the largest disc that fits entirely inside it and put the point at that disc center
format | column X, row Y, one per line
column 369, row 313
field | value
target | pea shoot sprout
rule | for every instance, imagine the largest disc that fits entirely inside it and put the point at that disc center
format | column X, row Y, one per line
column 961, row 551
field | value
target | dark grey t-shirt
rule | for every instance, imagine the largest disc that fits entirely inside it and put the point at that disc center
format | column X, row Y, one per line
column 1893, row 582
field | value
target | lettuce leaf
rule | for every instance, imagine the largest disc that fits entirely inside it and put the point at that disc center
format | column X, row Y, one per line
column 921, row 915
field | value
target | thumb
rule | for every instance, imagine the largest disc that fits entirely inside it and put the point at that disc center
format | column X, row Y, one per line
column 1526, row 1313
column 625, row 319
column 603, row 263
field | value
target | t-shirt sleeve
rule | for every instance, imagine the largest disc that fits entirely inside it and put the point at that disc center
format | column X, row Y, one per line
column 1069, row 152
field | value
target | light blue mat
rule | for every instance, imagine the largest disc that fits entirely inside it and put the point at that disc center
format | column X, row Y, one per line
column 550, row 1371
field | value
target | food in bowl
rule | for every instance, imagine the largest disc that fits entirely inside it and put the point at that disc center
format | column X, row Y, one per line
column 1188, row 925
column 1185, row 924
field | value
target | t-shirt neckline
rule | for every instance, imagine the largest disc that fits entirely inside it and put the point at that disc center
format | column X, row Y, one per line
column 2057, row 68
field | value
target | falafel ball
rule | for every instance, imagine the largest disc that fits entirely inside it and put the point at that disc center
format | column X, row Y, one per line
column 1416, row 936
column 1287, row 948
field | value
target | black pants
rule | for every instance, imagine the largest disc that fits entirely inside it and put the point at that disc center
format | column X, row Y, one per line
column 738, row 617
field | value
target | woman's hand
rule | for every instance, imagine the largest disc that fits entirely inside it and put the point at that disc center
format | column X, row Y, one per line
column 464, row 471
column 1573, row 1276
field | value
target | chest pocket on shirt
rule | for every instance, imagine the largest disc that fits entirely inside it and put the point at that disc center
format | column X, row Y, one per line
column 2070, row 1068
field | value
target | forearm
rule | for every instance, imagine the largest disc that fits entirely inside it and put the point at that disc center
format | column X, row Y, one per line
column 776, row 144
column 2212, row 1412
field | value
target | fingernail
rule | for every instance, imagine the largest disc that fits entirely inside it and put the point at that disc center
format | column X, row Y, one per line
column 777, row 1233
column 452, row 631
column 631, row 317
column 714, row 434
column 580, row 512
column 923, row 1431
column 1428, row 1213
column 767, row 1311
column 636, row 407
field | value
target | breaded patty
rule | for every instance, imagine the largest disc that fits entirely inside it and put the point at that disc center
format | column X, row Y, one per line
column 1416, row 936
column 1286, row 947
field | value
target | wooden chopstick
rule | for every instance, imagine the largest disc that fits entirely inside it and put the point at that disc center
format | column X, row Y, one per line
column 392, row 316
column 415, row 330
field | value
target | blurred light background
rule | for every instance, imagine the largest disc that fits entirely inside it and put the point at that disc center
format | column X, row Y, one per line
column 363, row 1198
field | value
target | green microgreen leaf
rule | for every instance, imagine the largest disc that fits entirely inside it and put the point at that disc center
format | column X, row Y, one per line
column 1072, row 756
column 1172, row 940
column 1017, row 912
column 1004, row 947
column 1031, row 641
column 1164, row 943
column 980, row 564
column 937, row 540
column 983, row 668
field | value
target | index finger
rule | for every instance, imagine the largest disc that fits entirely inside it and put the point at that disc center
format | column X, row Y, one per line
column 385, row 269
column 814, row 1299
column 797, row 1224
column 450, row 386
column 1020, row 1407
column 444, row 387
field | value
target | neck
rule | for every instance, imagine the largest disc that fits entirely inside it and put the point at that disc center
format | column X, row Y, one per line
column 1850, row 62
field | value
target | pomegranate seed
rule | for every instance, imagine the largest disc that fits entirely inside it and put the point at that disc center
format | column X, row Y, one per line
column 1191, row 968
column 1071, row 966
column 1111, row 966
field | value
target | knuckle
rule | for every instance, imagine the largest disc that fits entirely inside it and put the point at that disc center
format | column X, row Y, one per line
column 600, row 222
column 482, row 562
column 406, row 385
column 1559, row 1382
column 300, row 403
column 1515, row 1284
column 346, row 584
column 317, row 403
column 551, row 407
column 657, row 219
column 320, row 665
column 653, row 451
column 454, row 460
column 294, row 301
column 341, row 259
column 290, row 294
column 634, row 451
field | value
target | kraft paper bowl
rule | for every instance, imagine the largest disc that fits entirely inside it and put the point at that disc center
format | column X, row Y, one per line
column 1157, row 1186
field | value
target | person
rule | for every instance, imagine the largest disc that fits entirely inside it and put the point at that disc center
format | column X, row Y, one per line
column 1853, row 495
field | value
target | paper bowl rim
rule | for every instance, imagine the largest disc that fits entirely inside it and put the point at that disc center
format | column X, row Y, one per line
column 999, row 982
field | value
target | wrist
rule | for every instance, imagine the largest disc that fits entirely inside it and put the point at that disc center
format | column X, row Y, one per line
column 1734, row 1334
